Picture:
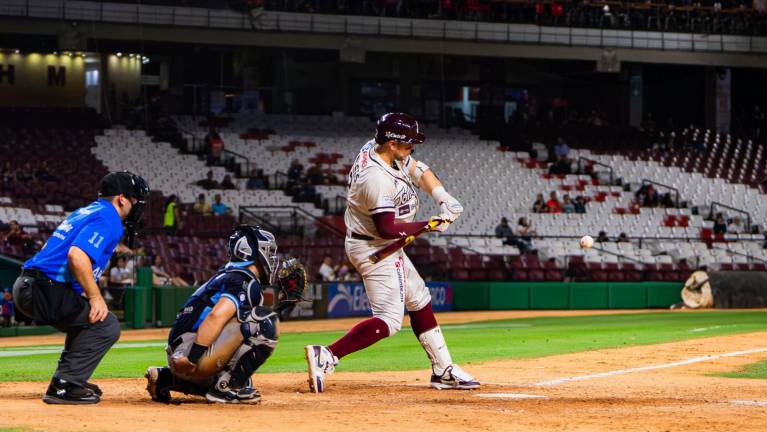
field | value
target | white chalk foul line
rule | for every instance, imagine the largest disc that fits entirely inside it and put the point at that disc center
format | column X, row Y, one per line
column 750, row 403
column 649, row 367
column 57, row 350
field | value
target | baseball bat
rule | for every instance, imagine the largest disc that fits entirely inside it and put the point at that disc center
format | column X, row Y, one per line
column 385, row 251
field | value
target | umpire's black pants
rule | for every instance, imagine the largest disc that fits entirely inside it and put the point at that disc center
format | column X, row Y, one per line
column 58, row 305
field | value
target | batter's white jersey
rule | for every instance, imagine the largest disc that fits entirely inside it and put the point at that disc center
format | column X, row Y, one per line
column 375, row 187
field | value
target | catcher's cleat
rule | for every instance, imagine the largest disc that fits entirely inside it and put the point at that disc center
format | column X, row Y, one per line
column 246, row 394
column 454, row 378
column 158, row 382
column 65, row 393
column 321, row 363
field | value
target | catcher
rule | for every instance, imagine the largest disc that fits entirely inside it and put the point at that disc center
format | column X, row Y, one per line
column 223, row 333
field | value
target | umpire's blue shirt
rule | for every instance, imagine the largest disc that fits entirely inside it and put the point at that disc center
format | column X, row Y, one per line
column 96, row 229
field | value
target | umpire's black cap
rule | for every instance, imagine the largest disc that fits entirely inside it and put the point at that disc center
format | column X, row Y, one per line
column 123, row 182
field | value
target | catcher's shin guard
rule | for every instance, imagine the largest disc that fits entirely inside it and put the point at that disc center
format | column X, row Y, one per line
column 260, row 334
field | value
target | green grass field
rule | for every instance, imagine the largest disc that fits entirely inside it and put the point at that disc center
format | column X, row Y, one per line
column 469, row 343
column 753, row 371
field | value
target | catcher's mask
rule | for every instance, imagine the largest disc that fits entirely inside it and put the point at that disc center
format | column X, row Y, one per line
column 250, row 244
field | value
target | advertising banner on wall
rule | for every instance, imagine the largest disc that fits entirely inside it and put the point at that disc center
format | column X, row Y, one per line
column 349, row 299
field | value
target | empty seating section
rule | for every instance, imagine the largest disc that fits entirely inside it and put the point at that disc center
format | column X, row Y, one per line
column 694, row 187
column 170, row 172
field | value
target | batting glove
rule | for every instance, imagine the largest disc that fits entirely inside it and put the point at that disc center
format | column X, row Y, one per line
column 450, row 209
column 441, row 224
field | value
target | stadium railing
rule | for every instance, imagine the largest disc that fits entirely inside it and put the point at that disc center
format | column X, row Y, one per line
column 382, row 26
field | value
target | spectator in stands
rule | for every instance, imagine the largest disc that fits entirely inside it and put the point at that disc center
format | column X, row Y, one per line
column 667, row 201
column 120, row 275
column 567, row 204
column 227, row 183
column 171, row 216
column 25, row 175
column 561, row 149
column 202, row 206
column 622, row 238
column 208, row 182
column 736, row 227
column 720, row 225
column 647, row 196
column 342, row 271
column 16, row 236
column 219, row 208
column 7, row 174
column 43, row 172
column 327, row 272
column 215, row 146
column 580, row 205
column 553, row 205
column 503, row 230
column 539, row 206
column 6, row 308
column 257, row 180
column 162, row 277
column 314, row 175
column 295, row 171
column 561, row 166
column 602, row 237
column 523, row 239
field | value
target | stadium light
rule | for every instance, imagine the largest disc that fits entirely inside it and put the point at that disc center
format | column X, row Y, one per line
column 17, row 51
column 119, row 54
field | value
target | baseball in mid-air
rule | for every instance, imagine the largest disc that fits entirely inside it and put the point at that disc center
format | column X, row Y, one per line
column 587, row 242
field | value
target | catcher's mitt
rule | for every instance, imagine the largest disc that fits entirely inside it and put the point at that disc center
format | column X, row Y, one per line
column 292, row 283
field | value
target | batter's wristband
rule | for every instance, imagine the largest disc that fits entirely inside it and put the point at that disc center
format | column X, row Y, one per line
column 440, row 195
column 196, row 352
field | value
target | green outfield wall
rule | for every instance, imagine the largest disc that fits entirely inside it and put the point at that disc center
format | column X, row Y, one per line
column 156, row 306
column 564, row 295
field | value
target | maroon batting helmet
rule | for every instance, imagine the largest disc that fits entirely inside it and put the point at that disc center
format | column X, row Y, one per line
column 398, row 127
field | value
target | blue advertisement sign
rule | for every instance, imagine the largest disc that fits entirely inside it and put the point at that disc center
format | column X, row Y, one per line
column 349, row 299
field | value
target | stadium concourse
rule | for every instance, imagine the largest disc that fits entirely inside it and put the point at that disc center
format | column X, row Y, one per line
column 492, row 182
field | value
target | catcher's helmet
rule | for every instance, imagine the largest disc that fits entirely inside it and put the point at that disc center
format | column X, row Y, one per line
column 250, row 244
column 398, row 127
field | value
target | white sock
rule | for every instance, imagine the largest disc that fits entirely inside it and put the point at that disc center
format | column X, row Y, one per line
column 433, row 342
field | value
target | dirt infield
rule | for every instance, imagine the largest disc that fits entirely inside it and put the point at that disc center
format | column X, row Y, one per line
column 660, row 397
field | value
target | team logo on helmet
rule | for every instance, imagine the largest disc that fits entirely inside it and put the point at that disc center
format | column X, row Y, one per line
column 395, row 136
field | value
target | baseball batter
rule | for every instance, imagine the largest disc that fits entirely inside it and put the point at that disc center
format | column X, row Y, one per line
column 382, row 203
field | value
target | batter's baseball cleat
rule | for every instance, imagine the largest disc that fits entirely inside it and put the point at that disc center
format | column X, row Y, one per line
column 453, row 378
column 321, row 363
column 158, row 382
column 65, row 393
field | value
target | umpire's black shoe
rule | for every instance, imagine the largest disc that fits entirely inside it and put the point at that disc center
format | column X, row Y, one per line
column 94, row 388
column 63, row 392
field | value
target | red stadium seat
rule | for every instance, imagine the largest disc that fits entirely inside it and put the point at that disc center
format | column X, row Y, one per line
column 536, row 275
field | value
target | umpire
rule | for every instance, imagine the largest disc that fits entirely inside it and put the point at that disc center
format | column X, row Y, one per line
column 58, row 286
